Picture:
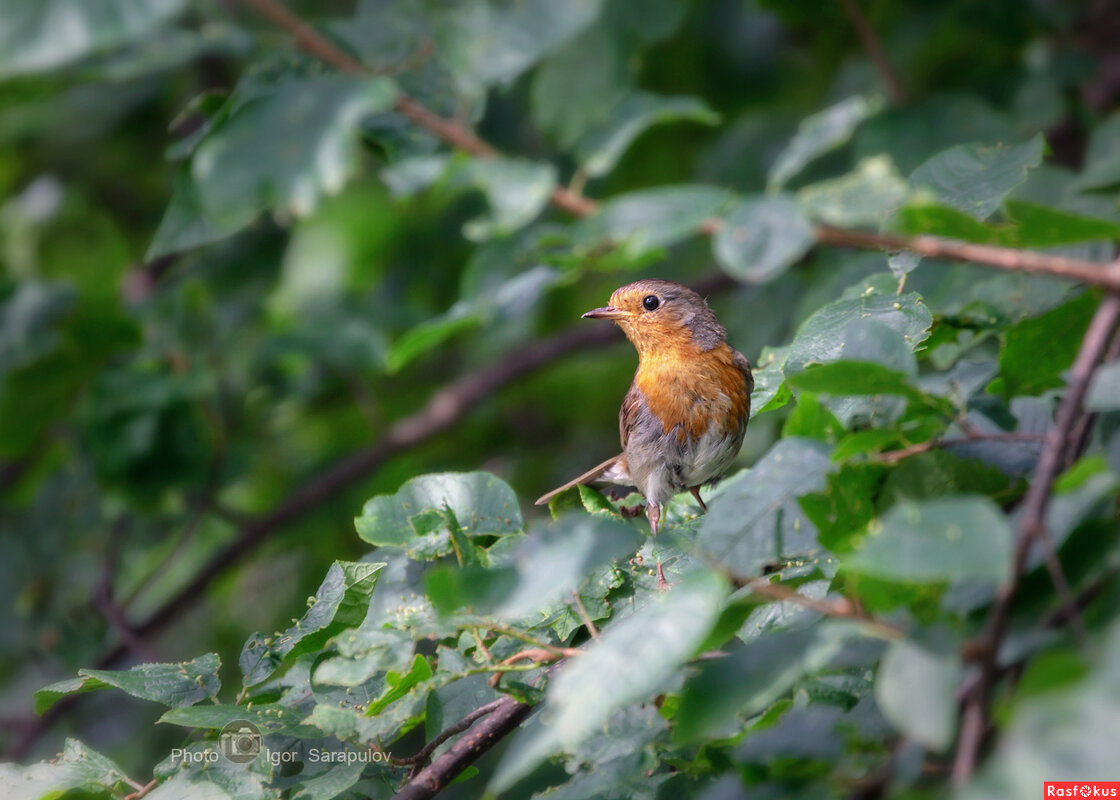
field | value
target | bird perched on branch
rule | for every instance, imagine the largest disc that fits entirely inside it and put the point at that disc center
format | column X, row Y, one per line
column 683, row 420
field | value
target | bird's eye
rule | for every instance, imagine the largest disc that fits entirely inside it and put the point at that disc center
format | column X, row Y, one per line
column 650, row 303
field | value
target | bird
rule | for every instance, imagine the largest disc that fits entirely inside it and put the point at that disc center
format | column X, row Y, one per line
column 683, row 420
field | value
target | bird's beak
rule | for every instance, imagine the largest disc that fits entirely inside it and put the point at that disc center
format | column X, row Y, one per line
column 606, row 312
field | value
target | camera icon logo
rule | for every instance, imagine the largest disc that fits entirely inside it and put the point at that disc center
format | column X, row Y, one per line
column 240, row 741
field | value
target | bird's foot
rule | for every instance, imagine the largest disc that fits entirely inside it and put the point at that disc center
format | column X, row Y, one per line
column 662, row 584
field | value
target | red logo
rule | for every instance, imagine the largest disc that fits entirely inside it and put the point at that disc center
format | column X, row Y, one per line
column 1081, row 789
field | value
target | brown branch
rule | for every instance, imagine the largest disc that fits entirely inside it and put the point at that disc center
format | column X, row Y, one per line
column 142, row 791
column 874, row 47
column 1079, row 437
column 583, row 615
column 308, row 38
column 1005, row 258
column 449, row 131
column 421, row 757
column 1031, row 529
column 500, row 722
column 839, row 607
column 894, row 456
column 458, row 136
column 444, row 409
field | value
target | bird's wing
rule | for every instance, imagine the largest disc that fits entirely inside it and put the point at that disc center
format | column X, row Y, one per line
column 628, row 414
column 613, row 470
column 742, row 363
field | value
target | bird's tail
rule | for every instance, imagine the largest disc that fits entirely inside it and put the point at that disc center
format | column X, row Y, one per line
column 613, row 470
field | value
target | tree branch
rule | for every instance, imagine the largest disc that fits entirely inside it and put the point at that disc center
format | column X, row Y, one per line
column 421, row 756
column 1006, row 258
column 458, row 136
column 1032, row 528
column 894, row 456
column 500, row 722
column 841, row 607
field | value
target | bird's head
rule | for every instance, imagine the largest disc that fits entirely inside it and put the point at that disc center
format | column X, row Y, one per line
column 662, row 316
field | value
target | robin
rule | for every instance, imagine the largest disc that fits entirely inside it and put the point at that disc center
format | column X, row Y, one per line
column 683, row 420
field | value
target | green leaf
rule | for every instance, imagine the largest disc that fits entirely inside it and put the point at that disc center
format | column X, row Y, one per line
column 630, row 662
column 283, row 147
column 940, row 472
column 186, row 224
column 494, row 41
column 1104, row 389
column 975, row 178
column 77, row 770
column 866, row 196
column 575, row 89
column 516, row 190
column 916, row 690
column 1101, row 168
column 846, row 506
column 482, row 505
column 819, row 133
column 754, row 520
column 752, row 678
column 351, row 725
column 858, row 443
column 944, row 539
column 1042, row 226
column 1038, row 350
column 170, row 684
column 41, row 35
column 519, row 292
column 1029, row 226
column 341, row 602
column 472, row 587
column 269, row 717
column 600, row 149
column 330, row 782
column 761, row 237
column 641, row 221
column 811, row 420
column 555, row 560
column 770, row 389
column 853, row 378
column 398, row 684
column 824, row 336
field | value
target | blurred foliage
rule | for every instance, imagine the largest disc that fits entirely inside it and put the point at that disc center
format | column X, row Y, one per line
column 229, row 269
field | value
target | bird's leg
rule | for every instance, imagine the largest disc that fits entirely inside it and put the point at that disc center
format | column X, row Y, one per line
column 696, row 493
column 653, row 511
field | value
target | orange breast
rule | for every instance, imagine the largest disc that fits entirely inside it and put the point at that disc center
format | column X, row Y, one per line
column 694, row 389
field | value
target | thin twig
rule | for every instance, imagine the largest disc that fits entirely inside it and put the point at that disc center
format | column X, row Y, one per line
column 482, row 646
column 141, row 791
column 534, row 655
column 583, row 615
column 1031, row 529
column 875, row 50
column 837, row 607
column 894, row 456
column 421, row 757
